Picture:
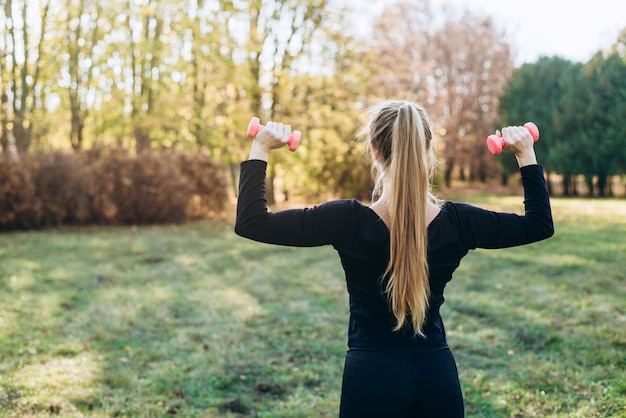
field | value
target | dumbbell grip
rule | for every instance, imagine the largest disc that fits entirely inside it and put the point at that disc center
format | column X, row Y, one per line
column 255, row 126
column 496, row 143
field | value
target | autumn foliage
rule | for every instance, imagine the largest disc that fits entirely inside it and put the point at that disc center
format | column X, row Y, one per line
column 108, row 186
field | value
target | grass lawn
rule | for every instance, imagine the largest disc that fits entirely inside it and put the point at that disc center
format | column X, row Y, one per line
column 194, row 321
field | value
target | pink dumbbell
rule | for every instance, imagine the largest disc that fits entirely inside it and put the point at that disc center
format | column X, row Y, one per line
column 495, row 143
column 255, row 126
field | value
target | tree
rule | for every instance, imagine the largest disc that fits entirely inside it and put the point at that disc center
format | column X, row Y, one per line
column 82, row 39
column 328, row 107
column 145, row 25
column 619, row 48
column 400, row 40
column 579, row 110
column 566, row 151
column 535, row 94
column 454, row 68
column 472, row 66
column 279, row 31
column 213, row 86
column 210, row 58
column 604, row 126
column 20, row 70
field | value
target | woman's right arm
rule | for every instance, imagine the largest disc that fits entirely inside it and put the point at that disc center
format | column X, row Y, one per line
column 320, row 225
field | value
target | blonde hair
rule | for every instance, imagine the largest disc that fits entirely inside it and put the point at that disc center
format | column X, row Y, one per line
column 400, row 133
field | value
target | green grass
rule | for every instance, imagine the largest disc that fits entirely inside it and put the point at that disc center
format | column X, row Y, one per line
column 194, row 321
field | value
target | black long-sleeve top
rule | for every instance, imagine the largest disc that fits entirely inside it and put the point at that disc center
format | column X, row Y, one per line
column 362, row 242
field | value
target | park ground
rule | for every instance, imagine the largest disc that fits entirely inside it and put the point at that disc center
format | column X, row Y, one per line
column 191, row 320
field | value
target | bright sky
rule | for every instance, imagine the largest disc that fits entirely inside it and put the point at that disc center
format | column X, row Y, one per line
column 572, row 29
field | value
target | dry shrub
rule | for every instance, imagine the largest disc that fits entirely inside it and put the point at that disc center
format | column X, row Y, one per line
column 19, row 207
column 148, row 188
column 108, row 186
column 209, row 195
column 63, row 187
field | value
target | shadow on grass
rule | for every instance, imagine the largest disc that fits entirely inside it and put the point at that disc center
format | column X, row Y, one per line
column 160, row 320
column 98, row 320
column 534, row 335
column 195, row 321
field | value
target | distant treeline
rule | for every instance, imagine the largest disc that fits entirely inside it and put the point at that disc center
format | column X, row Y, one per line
column 173, row 74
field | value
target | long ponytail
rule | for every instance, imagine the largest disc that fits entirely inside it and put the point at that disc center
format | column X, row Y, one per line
column 401, row 132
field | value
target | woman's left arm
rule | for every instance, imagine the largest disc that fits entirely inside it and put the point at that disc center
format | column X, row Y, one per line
column 487, row 229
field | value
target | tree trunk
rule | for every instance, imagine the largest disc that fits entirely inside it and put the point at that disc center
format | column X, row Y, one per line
column 602, row 183
column 77, row 128
column 270, row 195
column 21, row 135
column 234, row 178
column 482, row 174
column 566, row 185
column 448, row 172
column 4, row 137
column 504, row 178
column 589, row 181
column 142, row 139
column 4, row 142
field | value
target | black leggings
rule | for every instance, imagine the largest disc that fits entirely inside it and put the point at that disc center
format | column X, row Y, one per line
column 378, row 384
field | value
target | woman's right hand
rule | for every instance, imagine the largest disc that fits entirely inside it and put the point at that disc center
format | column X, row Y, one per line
column 519, row 142
column 274, row 135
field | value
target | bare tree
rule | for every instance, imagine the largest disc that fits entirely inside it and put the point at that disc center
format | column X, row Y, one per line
column 400, row 41
column 456, row 67
column 472, row 66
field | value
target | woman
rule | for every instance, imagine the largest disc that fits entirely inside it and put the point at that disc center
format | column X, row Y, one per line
column 398, row 255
